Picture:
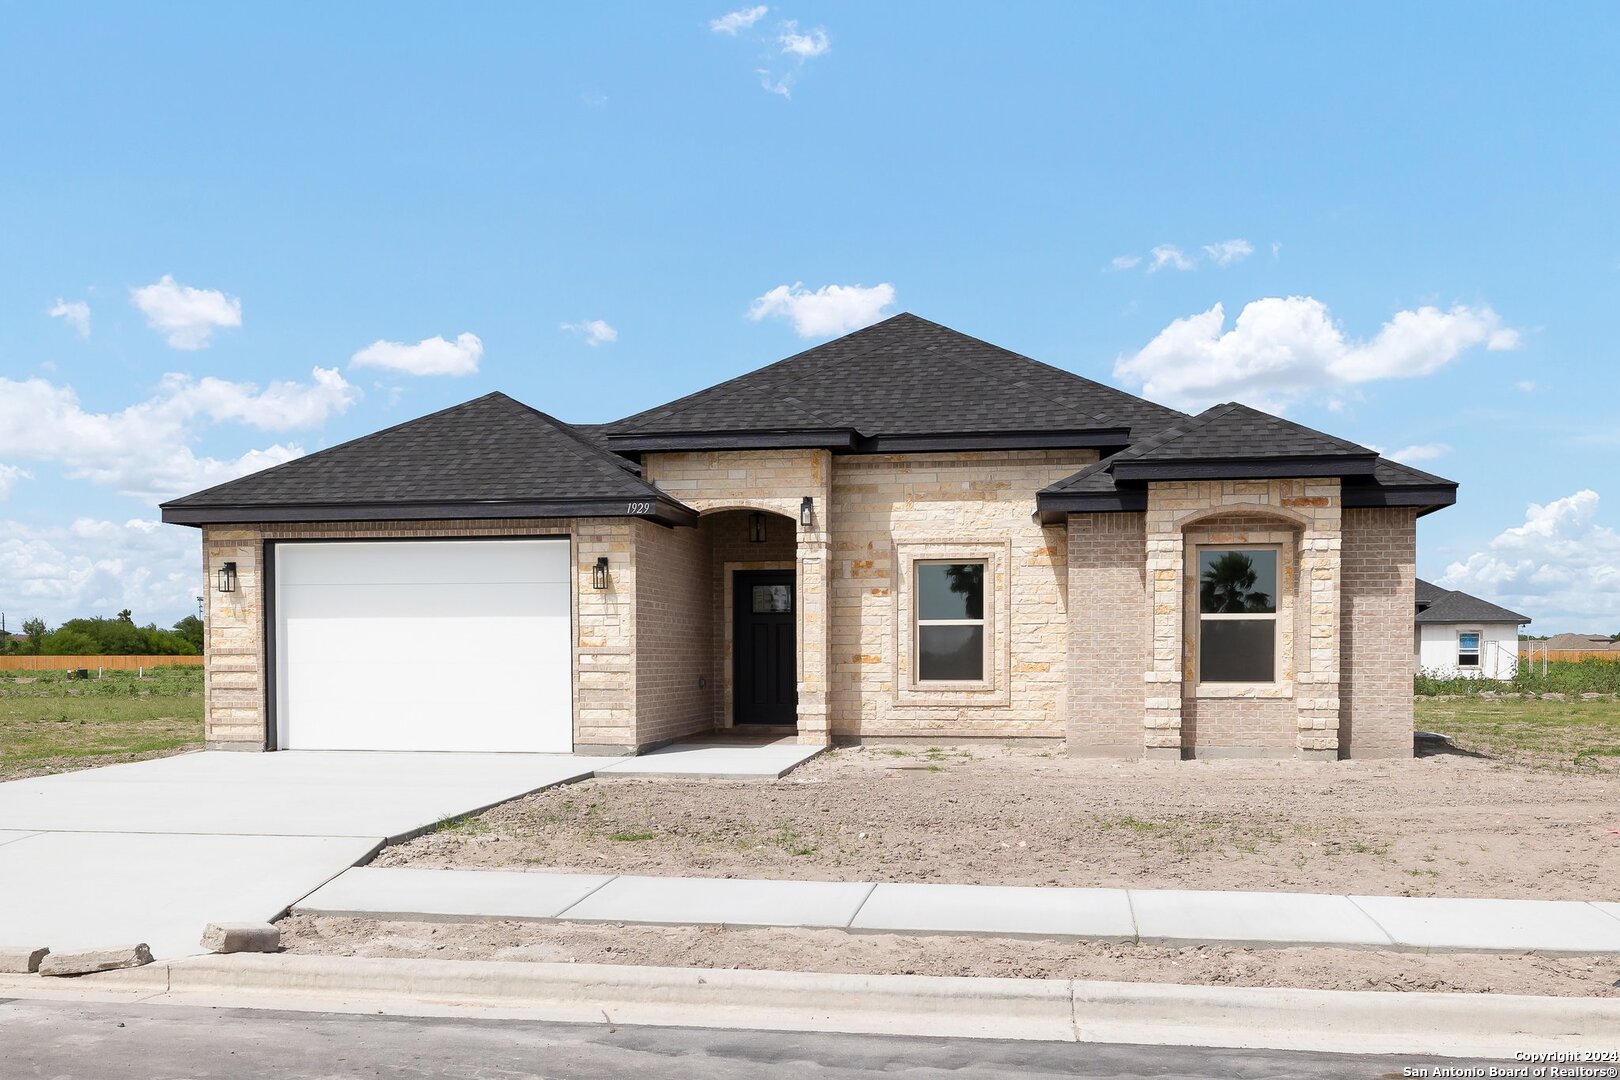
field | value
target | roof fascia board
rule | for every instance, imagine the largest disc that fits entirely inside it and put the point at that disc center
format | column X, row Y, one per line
column 1245, row 468
column 661, row 510
column 1085, row 439
column 810, row 439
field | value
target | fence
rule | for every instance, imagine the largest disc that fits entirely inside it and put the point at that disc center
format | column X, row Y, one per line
column 111, row 663
column 1530, row 650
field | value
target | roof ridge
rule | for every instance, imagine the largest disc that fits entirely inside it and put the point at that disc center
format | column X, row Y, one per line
column 596, row 453
column 685, row 401
column 338, row 446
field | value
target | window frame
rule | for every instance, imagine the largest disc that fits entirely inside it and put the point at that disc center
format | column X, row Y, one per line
column 985, row 622
column 1274, row 616
column 1478, row 651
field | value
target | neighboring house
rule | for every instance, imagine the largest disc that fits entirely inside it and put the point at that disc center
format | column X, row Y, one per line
column 1575, row 643
column 1459, row 634
column 902, row 534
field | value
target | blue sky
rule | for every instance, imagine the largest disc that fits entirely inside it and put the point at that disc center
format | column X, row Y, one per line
column 253, row 225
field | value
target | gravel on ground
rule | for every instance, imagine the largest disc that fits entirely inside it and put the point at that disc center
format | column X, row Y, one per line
column 1450, row 824
column 837, row 951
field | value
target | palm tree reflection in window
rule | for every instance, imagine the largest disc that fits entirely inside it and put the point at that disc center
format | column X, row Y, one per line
column 1227, row 586
column 967, row 581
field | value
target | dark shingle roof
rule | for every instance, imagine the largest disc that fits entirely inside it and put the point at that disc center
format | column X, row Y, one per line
column 1437, row 605
column 1233, row 440
column 491, row 455
column 1232, row 432
column 904, row 376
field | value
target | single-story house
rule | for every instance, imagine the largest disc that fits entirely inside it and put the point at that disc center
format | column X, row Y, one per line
column 902, row 534
column 1574, row 643
column 1458, row 634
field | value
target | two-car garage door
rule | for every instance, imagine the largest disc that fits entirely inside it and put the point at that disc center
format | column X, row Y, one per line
column 424, row 645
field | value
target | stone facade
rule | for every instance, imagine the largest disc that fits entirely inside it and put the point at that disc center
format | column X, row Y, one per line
column 891, row 511
column 1092, row 627
column 235, row 681
column 773, row 481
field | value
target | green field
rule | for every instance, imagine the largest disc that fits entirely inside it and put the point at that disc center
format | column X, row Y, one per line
column 1551, row 734
column 49, row 723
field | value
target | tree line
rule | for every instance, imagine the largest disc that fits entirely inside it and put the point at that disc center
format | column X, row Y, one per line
column 117, row 636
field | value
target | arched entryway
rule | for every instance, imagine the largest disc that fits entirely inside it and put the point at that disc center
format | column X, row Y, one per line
column 756, row 618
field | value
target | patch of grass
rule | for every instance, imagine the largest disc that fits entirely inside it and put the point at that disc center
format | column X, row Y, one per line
column 1589, row 676
column 792, row 841
column 50, row 723
column 462, row 824
column 631, row 836
column 1546, row 734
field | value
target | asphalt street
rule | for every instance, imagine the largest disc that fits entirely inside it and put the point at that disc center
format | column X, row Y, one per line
column 169, row 1042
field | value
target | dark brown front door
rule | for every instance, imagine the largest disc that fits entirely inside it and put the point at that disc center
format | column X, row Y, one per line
column 764, row 647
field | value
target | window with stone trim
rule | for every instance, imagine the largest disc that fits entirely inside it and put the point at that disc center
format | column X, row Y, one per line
column 1237, row 614
column 951, row 638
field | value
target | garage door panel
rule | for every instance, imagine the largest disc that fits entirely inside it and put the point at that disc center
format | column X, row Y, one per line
column 436, row 605
column 461, row 562
column 408, row 657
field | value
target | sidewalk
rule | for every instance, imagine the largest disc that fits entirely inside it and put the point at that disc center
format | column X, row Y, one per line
column 1157, row 916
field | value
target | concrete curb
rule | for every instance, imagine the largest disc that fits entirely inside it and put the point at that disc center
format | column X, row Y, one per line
column 1468, row 1025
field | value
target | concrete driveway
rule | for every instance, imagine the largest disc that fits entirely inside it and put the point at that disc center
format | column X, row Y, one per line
column 154, row 850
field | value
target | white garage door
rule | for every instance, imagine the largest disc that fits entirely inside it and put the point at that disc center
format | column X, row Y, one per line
column 424, row 645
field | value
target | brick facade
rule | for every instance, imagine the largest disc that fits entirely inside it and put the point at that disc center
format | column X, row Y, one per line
column 1380, row 555
column 1109, row 631
column 1092, row 627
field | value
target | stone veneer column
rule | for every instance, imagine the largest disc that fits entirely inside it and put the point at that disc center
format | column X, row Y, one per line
column 1162, row 702
column 815, row 588
column 1316, row 691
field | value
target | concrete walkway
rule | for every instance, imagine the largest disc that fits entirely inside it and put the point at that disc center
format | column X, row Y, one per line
column 152, row 851
column 1157, row 916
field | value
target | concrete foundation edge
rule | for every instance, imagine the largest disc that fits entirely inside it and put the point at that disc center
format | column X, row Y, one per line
column 1486, row 1025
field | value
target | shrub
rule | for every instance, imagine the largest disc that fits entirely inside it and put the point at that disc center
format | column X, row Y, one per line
column 1589, row 676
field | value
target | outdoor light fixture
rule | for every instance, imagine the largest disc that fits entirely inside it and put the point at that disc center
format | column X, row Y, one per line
column 227, row 577
column 756, row 528
column 805, row 511
column 599, row 573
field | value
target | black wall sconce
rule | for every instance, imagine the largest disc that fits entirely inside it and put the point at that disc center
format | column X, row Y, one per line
column 599, row 573
column 756, row 528
column 807, row 511
column 227, row 577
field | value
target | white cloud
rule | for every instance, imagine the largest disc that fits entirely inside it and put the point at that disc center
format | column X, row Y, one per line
column 281, row 406
column 1169, row 255
column 1525, row 385
column 76, row 312
column 1281, row 349
column 1560, row 567
column 1411, row 455
column 831, row 309
column 187, row 317
column 9, row 475
column 1124, row 262
column 741, row 19
column 594, row 331
column 805, row 46
column 95, row 567
column 145, row 450
column 1228, row 252
column 431, row 356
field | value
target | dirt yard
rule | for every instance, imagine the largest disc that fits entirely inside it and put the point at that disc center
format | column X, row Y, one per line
column 1451, row 824
column 836, row 951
